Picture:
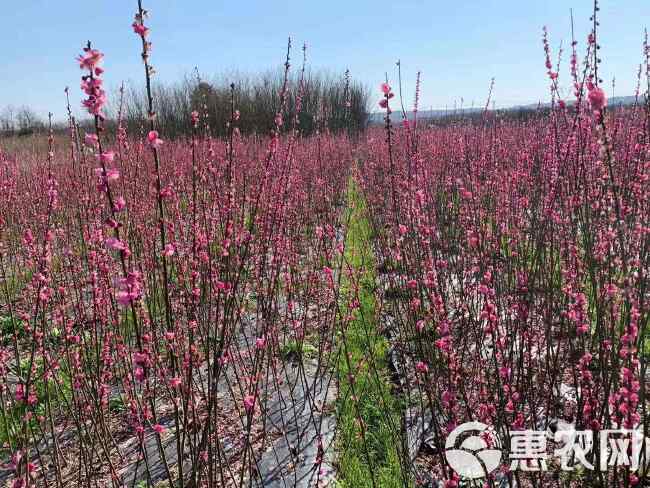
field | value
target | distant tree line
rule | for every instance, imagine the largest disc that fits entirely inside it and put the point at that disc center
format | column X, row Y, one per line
column 19, row 121
column 327, row 103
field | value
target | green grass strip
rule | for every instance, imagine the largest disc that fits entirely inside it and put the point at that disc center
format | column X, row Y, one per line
column 368, row 449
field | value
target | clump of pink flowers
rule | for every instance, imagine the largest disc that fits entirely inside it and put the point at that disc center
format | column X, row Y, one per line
column 154, row 141
column 596, row 96
column 91, row 84
column 387, row 95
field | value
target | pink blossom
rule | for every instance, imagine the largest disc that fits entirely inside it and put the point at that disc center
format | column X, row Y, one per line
column 32, row 399
column 452, row 483
column 91, row 140
column 20, row 392
column 273, row 144
column 119, row 204
column 421, row 367
column 444, row 344
column 131, row 291
column 141, row 358
column 169, row 250
column 611, row 290
column 95, row 103
column 385, row 88
column 139, row 374
column 447, row 398
column 45, row 294
column 28, row 237
column 90, row 59
column 107, row 157
column 115, row 244
column 124, row 298
column 92, row 86
column 154, row 141
column 249, row 403
column 159, row 429
column 140, row 29
column 110, row 174
column 597, row 98
column 167, row 192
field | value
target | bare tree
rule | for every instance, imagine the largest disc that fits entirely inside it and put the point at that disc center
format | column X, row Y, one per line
column 27, row 121
column 7, row 120
column 328, row 102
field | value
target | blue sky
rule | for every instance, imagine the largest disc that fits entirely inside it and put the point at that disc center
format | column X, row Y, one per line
column 458, row 45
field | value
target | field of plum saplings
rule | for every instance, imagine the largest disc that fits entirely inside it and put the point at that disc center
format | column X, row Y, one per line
column 283, row 307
